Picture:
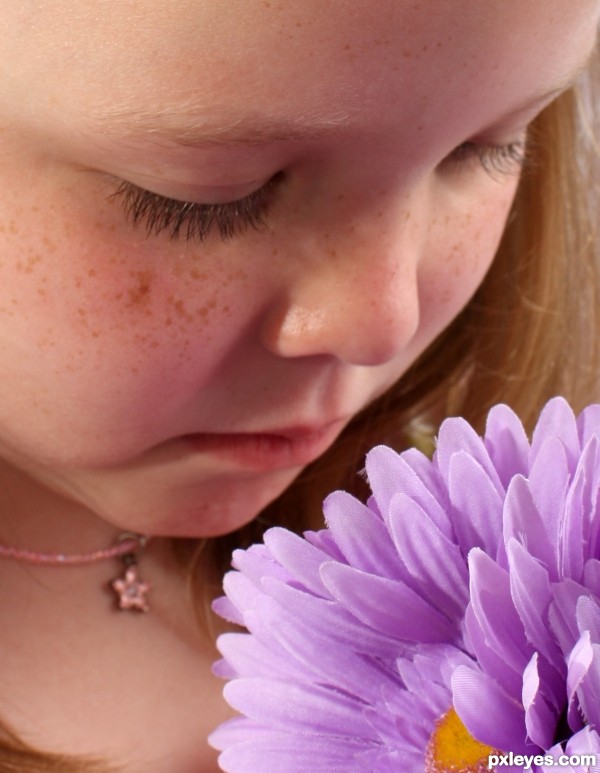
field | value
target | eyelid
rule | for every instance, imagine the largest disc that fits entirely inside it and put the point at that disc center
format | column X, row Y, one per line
column 505, row 159
column 191, row 220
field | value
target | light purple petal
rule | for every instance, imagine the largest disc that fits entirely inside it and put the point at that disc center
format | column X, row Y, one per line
column 287, row 753
column 457, row 436
column 386, row 605
column 540, row 718
column 589, row 688
column 412, row 474
column 360, row 535
column 300, row 558
column 419, row 545
column 531, row 593
column 580, row 660
column 588, row 424
column 562, row 613
column 506, row 443
column 548, row 482
column 588, row 617
column 493, row 607
column 502, row 724
column 301, row 708
column 557, row 419
column 509, row 678
column 523, row 522
column 477, row 504
column 329, row 619
column 591, row 576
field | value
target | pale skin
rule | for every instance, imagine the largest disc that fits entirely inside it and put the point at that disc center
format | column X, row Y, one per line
column 114, row 344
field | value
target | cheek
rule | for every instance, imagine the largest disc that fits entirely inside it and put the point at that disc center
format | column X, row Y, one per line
column 460, row 253
column 103, row 339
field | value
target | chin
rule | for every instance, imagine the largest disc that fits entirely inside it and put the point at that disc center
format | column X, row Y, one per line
column 211, row 510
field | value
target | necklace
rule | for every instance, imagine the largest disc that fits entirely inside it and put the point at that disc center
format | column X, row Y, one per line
column 130, row 589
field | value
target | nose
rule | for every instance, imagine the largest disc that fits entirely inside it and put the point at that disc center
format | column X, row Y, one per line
column 357, row 301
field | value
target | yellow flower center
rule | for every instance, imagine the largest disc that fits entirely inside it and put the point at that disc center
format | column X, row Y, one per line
column 452, row 749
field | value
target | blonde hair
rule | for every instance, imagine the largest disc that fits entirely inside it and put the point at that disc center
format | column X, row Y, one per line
column 530, row 332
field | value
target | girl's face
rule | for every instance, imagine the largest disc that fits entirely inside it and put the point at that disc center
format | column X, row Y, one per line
column 349, row 167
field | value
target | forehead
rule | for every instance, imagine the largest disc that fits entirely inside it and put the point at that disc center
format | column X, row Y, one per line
column 90, row 61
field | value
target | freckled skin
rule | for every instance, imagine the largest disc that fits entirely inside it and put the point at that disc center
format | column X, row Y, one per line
column 114, row 343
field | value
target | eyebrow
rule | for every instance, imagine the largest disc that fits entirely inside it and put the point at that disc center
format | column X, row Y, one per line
column 182, row 127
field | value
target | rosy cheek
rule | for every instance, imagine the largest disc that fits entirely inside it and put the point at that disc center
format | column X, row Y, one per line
column 460, row 256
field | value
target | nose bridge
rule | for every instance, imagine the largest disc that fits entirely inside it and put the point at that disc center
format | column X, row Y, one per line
column 353, row 295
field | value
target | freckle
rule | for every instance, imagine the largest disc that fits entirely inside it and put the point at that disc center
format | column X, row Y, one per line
column 140, row 293
column 12, row 227
column 82, row 312
column 92, row 272
column 168, row 321
column 333, row 253
column 275, row 252
column 95, row 334
column 42, row 293
column 195, row 274
column 49, row 244
column 425, row 47
column 78, row 281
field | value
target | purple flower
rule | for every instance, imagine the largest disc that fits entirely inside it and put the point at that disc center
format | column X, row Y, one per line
column 454, row 616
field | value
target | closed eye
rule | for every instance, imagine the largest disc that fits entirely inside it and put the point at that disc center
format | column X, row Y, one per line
column 504, row 159
column 192, row 221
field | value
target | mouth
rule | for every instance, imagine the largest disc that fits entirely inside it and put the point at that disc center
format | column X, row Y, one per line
column 275, row 449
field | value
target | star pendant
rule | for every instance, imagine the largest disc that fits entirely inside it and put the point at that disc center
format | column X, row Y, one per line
column 131, row 591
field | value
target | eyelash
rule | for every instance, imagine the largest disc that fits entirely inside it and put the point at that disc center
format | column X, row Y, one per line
column 194, row 222
column 495, row 159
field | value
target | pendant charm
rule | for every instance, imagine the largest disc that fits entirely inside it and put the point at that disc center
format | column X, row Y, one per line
column 131, row 590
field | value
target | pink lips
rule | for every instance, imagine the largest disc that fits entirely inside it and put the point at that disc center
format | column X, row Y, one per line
column 289, row 447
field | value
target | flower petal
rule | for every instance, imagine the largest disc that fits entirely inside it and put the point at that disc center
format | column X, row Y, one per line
column 387, row 605
column 477, row 504
column 299, row 708
column 301, row 559
column 419, row 544
column 457, row 436
column 540, row 718
column 531, row 593
column 411, row 473
column 494, row 610
column 507, row 444
column 523, row 522
column 557, row 420
column 502, row 724
column 360, row 535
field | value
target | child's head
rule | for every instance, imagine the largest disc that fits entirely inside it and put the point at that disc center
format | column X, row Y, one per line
column 376, row 148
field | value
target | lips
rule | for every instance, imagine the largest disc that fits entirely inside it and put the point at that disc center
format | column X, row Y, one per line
column 276, row 449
